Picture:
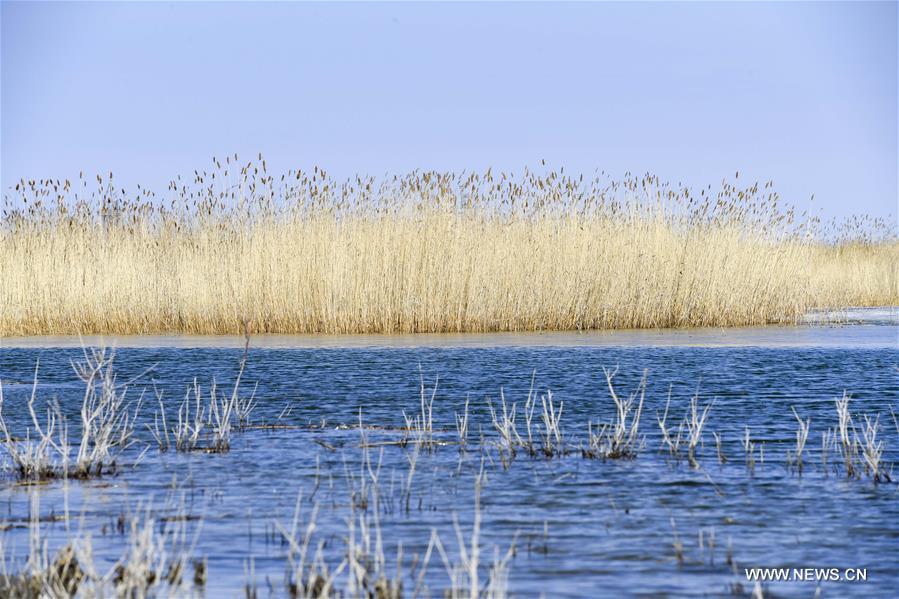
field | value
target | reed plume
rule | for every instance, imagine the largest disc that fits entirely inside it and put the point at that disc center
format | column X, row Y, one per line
column 425, row 252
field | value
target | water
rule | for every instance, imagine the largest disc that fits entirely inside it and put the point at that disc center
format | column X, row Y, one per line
column 582, row 527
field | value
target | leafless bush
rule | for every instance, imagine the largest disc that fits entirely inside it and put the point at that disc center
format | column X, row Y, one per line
column 422, row 425
column 45, row 456
column 505, row 423
column 619, row 439
column 153, row 563
column 671, row 442
column 872, row 450
column 695, row 422
column 552, row 418
column 846, row 436
column 217, row 415
column 689, row 431
column 187, row 432
column 106, row 426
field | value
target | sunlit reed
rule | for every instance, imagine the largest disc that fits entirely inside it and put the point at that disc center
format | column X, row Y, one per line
column 424, row 252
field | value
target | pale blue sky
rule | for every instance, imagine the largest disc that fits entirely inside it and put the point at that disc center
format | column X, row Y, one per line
column 805, row 94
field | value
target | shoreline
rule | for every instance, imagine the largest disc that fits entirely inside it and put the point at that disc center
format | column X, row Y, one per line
column 854, row 327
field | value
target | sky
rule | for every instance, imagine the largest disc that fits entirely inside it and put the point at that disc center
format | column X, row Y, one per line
column 804, row 94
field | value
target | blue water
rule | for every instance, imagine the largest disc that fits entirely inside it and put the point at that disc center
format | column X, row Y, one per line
column 584, row 527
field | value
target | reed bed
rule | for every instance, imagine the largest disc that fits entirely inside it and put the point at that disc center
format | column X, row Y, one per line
column 424, row 252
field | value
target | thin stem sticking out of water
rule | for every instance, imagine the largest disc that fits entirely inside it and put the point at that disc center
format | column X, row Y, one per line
column 718, row 450
column 620, row 439
column 695, row 422
column 749, row 450
column 801, row 438
column 872, row 449
column 846, row 435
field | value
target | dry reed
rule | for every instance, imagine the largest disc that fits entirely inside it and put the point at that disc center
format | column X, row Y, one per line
column 221, row 413
column 426, row 252
column 801, row 438
column 106, row 427
column 619, row 439
column 153, row 564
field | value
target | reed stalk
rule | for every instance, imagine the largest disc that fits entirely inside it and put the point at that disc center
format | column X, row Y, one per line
column 423, row 252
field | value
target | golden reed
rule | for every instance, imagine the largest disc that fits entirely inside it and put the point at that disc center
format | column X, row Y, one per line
column 426, row 252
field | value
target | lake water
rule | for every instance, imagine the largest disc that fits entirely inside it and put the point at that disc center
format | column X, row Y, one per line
column 582, row 527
